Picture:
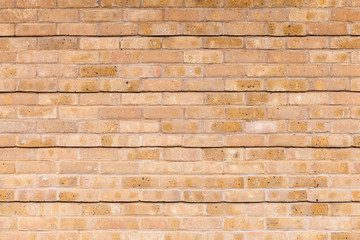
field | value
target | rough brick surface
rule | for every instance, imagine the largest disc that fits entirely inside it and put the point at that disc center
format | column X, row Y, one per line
column 180, row 119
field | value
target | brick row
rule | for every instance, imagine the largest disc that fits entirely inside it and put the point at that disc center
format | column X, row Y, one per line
column 176, row 4
column 180, row 195
column 179, row 29
column 177, row 140
column 187, row 85
column 260, row 131
column 68, row 187
column 205, row 173
column 315, row 127
column 188, row 70
column 135, row 71
column 182, row 154
column 144, row 210
column 171, row 56
column 176, row 234
column 104, row 101
column 301, row 46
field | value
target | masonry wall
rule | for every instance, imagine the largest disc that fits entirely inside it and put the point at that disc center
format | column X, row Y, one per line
column 180, row 119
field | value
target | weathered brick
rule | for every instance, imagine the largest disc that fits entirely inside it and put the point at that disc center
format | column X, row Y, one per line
column 313, row 15
column 181, row 42
column 223, row 42
column 182, row 71
column 243, row 4
column 161, row 57
column 307, row 42
column 285, row 223
column 219, row 70
column 287, row 57
column 7, row 30
column 56, row 15
column 101, row 15
column 141, row 43
column 7, row 4
column 35, row 4
column 203, row 57
column 263, row 15
column 308, row 70
column 120, row 57
column 56, row 43
column 226, row 14
column 244, row 85
column 129, row 129
column 245, row 29
column 287, row 85
column 203, row 29
column 137, row 71
column 73, row 57
column 191, row 15
column 35, row 29
column 77, row 29
column 245, row 113
column 328, row 28
column 99, row 43
column 265, row 43
column 17, row 15
column 120, row 3
column 160, row 3
column 117, row 29
column 77, row 4
column 100, row 71
column 286, row 29
column 115, row 113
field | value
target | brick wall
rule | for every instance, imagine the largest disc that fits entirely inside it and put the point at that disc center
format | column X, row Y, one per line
column 180, row 119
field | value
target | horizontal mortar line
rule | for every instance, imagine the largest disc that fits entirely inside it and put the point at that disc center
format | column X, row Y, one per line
column 205, row 91
column 175, row 202
column 287, row 147
column 180, row 35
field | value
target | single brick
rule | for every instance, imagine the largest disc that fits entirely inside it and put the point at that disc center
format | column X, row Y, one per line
column 99, row 71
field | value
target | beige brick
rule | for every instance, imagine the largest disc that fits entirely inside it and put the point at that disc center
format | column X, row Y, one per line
column 265, row 43
column 191, row 15
column 56, row 15
column 181, row 42
column 117, row 29
column 17, row 15
column 99, row 71
column 7, row 30
column 78, row 4
column 101, row 15
column 165, row 119
column 77, row 29
column 286, row 29
column 160, row 3
column 35, row 29
column 120, row 3
column 203, row 29
column 243, row 29
column 225, row 14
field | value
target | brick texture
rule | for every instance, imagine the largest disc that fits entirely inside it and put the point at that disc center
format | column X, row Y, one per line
column 180, row 119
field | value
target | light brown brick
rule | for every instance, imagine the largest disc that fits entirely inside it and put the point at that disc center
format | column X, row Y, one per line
column 100, row 71
column 77, row 29
column 78, row 4
column 117, row 29
column 245, row 29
